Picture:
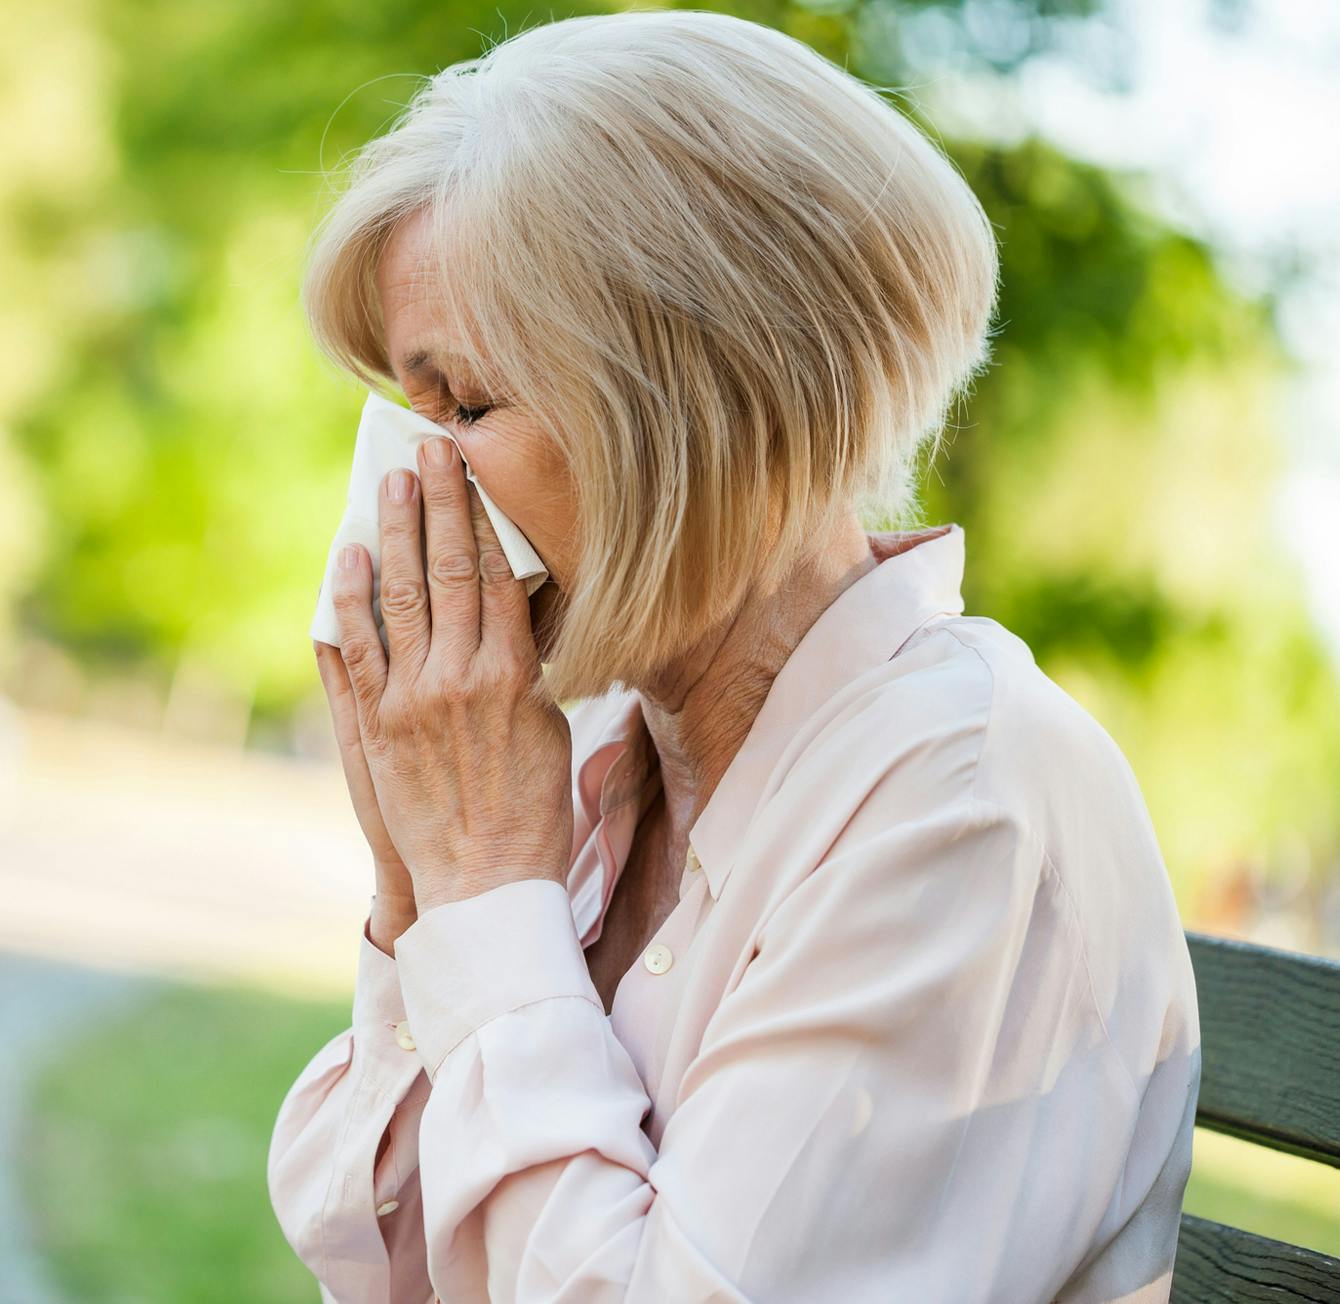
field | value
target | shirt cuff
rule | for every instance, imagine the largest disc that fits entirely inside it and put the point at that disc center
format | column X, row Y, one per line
column 468, row 961
column 382, row 1048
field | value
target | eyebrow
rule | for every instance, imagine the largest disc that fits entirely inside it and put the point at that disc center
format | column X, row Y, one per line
column 416, row 361
column 421, row 359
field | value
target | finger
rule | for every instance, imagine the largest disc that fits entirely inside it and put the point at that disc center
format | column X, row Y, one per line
column 453, row 554
column 360, row 644
column 340, row 696
column 404, row 591
column 504, row 618
column 353, row 759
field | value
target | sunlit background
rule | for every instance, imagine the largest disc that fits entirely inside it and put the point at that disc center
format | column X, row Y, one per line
column 1148, row 479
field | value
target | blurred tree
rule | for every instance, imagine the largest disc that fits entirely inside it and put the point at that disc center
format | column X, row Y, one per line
column 188, row 450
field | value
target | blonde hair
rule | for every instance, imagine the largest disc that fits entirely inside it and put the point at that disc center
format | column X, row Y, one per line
column 735, row 285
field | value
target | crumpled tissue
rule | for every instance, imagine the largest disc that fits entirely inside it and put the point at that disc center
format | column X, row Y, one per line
column 389, row 436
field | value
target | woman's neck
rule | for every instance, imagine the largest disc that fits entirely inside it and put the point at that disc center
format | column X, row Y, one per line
column 702, row 706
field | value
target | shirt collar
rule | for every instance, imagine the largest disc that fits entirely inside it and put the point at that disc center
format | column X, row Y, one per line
column 919, row 576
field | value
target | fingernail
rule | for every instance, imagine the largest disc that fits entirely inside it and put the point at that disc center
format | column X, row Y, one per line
column 441, row 451
column 348, row 558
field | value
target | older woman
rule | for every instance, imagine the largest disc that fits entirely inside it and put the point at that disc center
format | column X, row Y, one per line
column 824, row 951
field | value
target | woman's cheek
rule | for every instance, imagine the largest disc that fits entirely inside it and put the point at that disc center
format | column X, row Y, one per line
column 527, row 480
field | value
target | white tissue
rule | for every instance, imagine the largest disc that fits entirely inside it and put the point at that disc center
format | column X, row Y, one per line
column 389, row 436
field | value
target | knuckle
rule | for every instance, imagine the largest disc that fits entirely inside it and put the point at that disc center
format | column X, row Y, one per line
column 394, row 717
column 442, row 491
column 356, row 652
column 404, row 597
column 451, row 566
column 394, row 722
column 495, row 565
column 449, row 703
column 502, row 671
column 450, row 663
column 456, row 690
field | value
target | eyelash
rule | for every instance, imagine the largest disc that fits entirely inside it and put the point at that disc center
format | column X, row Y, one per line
column 480, row 412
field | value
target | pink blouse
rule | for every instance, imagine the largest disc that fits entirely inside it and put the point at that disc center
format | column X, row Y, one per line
column 921, row 1027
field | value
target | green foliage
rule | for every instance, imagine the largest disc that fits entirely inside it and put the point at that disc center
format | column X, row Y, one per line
column 145, row 1164
column 178, row 453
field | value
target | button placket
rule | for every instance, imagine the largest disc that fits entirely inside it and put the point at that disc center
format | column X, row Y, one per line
column 692, row 875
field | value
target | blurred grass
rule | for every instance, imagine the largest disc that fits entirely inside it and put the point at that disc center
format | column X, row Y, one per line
column 145, row 1166
column 1265, row 1191
column 146, row 1162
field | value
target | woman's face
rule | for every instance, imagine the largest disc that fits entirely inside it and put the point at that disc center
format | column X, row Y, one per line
column 514, row 460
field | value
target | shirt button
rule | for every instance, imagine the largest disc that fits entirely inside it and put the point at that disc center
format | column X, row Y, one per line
column 403, row 1038
column 692, row 860
column 657, row 957
column 389, row 1206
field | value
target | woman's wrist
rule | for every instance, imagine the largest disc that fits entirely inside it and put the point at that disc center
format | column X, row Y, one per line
column 384, row 927
column 393, row 911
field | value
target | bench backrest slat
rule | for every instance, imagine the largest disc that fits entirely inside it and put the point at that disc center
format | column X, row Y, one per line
column 1270, row 1073
column 1217, row 1263
column 1270, row 1045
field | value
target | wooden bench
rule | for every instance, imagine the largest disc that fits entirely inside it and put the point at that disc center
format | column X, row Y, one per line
column 1270, row 1073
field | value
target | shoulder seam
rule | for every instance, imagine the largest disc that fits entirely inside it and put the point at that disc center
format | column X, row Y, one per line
column 990, row 709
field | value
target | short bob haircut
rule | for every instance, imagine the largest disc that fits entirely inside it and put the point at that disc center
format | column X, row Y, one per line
column 735, row 285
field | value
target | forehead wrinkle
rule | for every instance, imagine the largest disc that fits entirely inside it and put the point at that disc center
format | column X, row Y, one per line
column 416, row 309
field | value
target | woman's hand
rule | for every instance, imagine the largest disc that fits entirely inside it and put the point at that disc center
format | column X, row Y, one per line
column 469, row 759
column 393, row 909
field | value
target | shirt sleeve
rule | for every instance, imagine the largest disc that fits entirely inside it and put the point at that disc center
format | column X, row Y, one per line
column 343, row 1160
column 909, row 1093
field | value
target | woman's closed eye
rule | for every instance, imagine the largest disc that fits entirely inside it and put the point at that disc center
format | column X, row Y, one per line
column 467, row 416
